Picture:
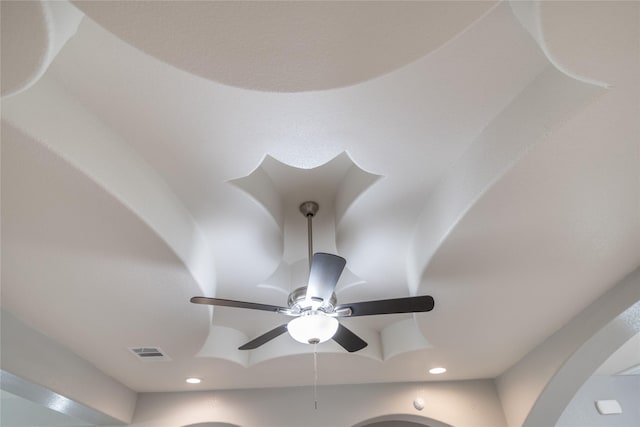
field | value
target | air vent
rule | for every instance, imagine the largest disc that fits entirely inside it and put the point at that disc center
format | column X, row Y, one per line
column 150, row 354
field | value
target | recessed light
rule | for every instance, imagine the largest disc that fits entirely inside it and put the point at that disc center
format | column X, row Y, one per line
column 193, row 380
column 436, row 371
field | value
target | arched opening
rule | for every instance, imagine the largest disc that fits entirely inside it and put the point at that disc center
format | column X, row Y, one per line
column 617, row 382
column 401, row 420
column 211, row 425
column 614, row 319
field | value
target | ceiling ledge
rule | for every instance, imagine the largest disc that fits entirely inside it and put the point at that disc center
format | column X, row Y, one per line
column 223, row 343
column 100, row 154
column 33, row 32
column 36, row 394
column 544, row 105
column 398, row 338
column 285, row 346
column 402, row 337
column 40, row 369
column 548, row 31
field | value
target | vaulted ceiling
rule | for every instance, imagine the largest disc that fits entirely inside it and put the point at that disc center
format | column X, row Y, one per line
column 484, row 153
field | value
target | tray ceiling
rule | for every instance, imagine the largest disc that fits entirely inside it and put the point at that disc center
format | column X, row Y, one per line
column 456, row 156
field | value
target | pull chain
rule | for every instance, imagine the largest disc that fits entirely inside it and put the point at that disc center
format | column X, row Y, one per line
column 315, row 376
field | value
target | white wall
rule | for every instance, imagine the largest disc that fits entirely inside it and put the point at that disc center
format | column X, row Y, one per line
column 460, row 403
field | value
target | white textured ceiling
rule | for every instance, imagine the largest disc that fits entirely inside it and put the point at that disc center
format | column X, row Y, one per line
column 508, row 183
column 286, row 46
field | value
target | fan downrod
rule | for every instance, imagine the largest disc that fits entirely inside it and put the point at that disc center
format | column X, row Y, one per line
column 309, row 209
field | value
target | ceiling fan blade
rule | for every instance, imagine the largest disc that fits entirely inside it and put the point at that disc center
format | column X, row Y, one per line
column 237, row 304
column 348, row 340
column 388, row 306
column 264, row 338
column 323, row 276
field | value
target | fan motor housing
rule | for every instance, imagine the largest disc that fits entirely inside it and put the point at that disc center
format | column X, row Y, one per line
column 298, row 296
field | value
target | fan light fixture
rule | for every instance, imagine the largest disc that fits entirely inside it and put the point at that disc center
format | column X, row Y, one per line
column 313, row 327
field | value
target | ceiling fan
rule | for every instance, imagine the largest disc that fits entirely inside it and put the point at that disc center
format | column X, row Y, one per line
column 313, row 307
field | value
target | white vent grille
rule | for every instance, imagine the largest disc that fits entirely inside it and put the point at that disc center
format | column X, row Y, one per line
column 150, row 354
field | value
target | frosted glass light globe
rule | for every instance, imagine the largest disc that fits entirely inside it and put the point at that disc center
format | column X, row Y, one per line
column 313, row 327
